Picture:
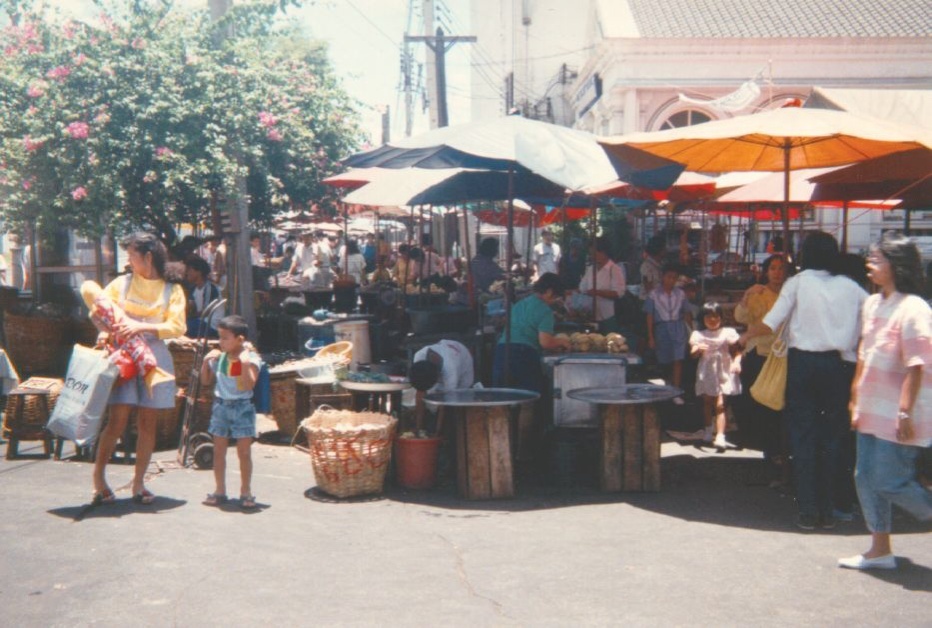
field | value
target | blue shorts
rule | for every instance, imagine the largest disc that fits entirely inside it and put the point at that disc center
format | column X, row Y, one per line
column 134, row 393
column 670, row 340
column 235, row 418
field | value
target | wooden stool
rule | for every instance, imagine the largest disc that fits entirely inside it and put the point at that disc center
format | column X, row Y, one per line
column 483, row 453
column 21, row 427
column 630, row 448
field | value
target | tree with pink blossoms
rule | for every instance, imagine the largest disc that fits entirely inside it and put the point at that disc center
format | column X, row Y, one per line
column 137, row 119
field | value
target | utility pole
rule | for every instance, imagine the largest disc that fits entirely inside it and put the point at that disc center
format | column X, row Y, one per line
column 439, row 44
column 386, row 125
column 235, row 220
column 406, row 63
column 427, row 10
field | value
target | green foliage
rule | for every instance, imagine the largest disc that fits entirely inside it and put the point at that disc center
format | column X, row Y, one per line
column 138, row 119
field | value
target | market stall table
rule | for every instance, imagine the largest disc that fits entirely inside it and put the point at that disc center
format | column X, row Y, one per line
column 484, row 467
column 630, row 433
column 382, row 397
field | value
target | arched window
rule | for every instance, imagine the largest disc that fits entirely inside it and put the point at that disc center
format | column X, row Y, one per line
column 686, row 117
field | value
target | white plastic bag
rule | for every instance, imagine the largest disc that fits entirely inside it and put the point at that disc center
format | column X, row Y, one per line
column 84, row 395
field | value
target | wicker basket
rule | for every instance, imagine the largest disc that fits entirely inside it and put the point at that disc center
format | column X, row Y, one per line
column 182, row 352
column 36, row 343
column 32, row 417
column 349, row 450
column 282, row 407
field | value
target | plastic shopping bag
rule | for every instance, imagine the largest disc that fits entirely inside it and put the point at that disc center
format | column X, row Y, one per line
column 84, row 395
column 769, row 388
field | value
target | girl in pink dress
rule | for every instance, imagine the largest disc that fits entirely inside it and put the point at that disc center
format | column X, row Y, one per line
column 717, row 374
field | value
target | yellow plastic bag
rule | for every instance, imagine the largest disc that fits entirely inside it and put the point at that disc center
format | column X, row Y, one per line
column 769, row 389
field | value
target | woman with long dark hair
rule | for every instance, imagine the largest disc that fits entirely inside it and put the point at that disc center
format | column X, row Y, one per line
column 891, row 398
column 822, row 314
column 155, row 310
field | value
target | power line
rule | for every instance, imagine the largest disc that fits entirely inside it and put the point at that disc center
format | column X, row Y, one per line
column 374, row 25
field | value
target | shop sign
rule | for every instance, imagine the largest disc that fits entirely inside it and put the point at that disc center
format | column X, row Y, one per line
column 588, row 94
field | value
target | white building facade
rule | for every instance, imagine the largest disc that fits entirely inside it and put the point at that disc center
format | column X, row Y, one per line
column 620, row 66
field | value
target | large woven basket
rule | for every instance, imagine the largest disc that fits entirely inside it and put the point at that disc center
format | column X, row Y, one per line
column 36, row 343
column 349, row 450
column 32, row 419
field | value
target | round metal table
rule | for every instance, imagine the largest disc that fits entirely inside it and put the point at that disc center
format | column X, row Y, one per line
column 484, row 419
column 630, row 432
column 376, row 396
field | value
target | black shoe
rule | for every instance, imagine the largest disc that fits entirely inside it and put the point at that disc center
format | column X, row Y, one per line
column 806, row 522
column 826, row 522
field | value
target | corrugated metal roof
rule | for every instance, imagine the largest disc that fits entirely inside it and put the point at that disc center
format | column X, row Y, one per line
column 781, row 18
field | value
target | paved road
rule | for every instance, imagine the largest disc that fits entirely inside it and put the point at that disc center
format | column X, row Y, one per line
column 715, row 547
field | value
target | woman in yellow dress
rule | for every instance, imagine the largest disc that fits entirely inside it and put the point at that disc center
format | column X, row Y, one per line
column 155, row 311
column 759, row 426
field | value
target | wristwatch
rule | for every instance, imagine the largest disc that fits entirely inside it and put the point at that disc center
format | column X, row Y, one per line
column 902, row 415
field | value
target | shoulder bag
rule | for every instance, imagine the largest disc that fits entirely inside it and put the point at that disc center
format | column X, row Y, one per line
column 769, row 389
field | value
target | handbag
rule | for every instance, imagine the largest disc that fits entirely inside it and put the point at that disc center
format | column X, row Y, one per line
column 78, row 414
column 769, row 389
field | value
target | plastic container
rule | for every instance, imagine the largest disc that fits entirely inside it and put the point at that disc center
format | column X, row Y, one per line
column 356, row 332
column 416, row 462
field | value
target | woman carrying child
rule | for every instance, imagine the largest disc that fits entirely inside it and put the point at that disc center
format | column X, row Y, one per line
column 155, row 310
column 717, row 375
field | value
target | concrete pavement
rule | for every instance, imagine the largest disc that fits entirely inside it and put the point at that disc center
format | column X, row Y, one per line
column 715, row 547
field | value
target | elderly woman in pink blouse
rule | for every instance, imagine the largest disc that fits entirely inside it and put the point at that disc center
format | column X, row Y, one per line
column 891, row 398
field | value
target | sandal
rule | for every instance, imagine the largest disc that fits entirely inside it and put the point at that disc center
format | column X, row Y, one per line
column 144, row 497
column 215, row 499
column 103, row 497
column 248, row 502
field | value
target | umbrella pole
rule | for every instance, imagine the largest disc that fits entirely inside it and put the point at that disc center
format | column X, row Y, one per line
column 470, row 286
column 510, row 261
column 786, row 196
column 527, row 249
column 345, row 240
column 595, row 271
column 844, row 226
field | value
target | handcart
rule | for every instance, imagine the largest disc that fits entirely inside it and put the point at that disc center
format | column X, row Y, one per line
column 197, row 446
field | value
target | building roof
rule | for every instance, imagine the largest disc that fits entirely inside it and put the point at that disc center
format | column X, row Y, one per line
column 766, row 18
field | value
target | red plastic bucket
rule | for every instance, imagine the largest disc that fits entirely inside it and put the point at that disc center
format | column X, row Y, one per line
column 416, row 462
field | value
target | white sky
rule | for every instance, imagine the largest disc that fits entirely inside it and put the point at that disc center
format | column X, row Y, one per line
column 365, row 39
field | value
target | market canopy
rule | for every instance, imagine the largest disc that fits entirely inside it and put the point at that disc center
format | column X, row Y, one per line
column 769, row 189
column 780, row 140
column 905, row 175
column 566, row 157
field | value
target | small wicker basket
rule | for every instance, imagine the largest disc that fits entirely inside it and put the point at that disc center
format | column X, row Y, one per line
column 33, row 420
column 350, row 451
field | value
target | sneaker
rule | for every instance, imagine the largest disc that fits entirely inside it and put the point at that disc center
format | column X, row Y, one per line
column 806, row 522
column 708, row 435
column 720, row 442
column 860, row 562
column 827, row 522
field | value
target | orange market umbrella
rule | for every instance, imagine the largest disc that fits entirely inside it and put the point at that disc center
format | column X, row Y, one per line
column 780, row 140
